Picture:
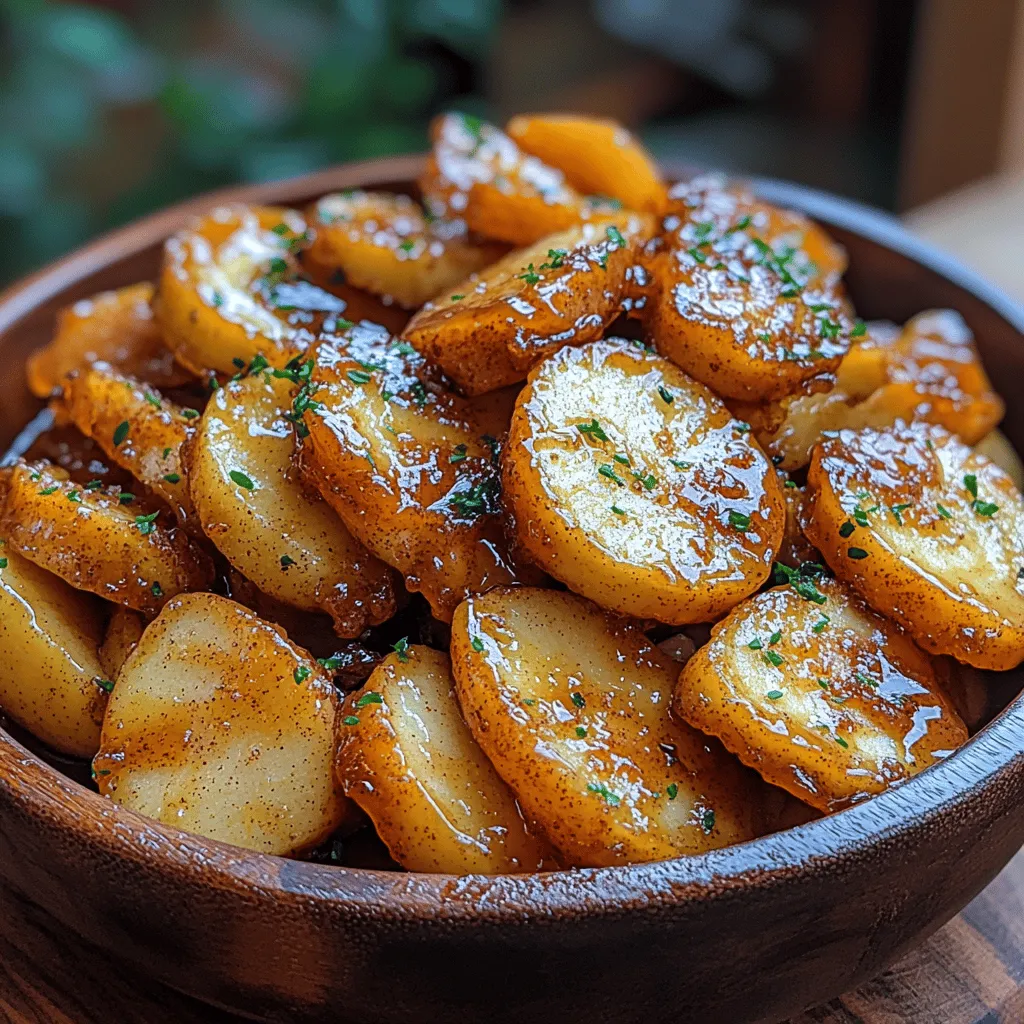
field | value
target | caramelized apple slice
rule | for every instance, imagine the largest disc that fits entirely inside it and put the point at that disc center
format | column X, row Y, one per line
column 931, row 533
column 819, row 694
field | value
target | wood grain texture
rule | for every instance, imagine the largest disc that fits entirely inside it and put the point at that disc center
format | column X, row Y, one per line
column 969, row 972
column 735, row 936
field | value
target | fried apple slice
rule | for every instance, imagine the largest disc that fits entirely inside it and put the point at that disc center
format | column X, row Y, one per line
column 51, row 680
column 116, row 327
column 137, row 428
column 819, row 694
column 740, row 326
column 571, row 705
column 564, row 290
column 95, row 543
column 382, row 242
column 231, row 289
column 220, row 726
column 123, row 632
column 407, row 759
column 598, row 156
column 478, row 175
column 633, row 485
column 930, row 371
column 252, row 505
column 407, row 464
column 717, row 217
column 930, row 533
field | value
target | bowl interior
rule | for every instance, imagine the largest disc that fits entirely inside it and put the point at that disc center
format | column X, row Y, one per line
column 892, row 275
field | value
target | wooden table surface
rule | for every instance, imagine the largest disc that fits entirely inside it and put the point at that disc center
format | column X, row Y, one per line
column 969, row 972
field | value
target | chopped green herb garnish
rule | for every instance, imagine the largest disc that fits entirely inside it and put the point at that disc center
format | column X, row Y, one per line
column 610, row 473
column 856, row 553
column 971, row 483
column 802, row 580
column 615, row 236
column 301, row 674
column 401, row 648
column 739, row 520
column 358, row 376
column 153, row 400
column 649, row 480
column 74, row 496
column 120, row 433
column 157, row 590
column 369, row 698
column 350, row 720
column 773, row 694
column 189, row 414
column 985, row 508
column 622, row 460
column 458, row 454
column 555, row 259
column 126, row 497
column 49, row 490
column 477, row 644
column 287, row 560
column 618, row 511
column 3, row 563
column 773, row 658
column 604, row 791
column 673, row 790
column 820, row 625
column 593, row 428
column 708, row 822
column 681, row 465
column 530, row 276
column 577, row 698
column 846, row 529
column 94, row 485
column 172, row 478
column 755, row 644
column 898, row 510
column 666, row 395
column 944, row 512
column 859, row 329
column 775, row 638
column 146, row 524
column 455, row 298
column 241, row 479
column 106, row 685
column 407, row 246
column 581, row 731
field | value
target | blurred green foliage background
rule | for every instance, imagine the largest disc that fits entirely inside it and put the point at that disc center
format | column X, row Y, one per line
column 110, row 110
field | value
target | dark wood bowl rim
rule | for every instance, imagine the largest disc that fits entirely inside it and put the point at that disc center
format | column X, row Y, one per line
column 904, row 814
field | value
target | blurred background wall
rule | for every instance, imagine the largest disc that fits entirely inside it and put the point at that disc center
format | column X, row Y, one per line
column 111, row 108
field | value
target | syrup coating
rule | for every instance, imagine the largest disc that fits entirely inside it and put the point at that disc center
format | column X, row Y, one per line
column 137, row 427
column 929, row 371
column 748, row 298
column 478, row 175
column 406, row 757
column 929, row 532
column 633, row 485
column 231, row 288
column 822, row 696
column 383, row 242
column 571, row 705
column 411, row 467
column 565, row 290
column 253, row 506
column 95, row 542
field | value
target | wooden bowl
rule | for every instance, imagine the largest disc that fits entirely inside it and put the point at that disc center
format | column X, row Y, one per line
column 755, row 931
